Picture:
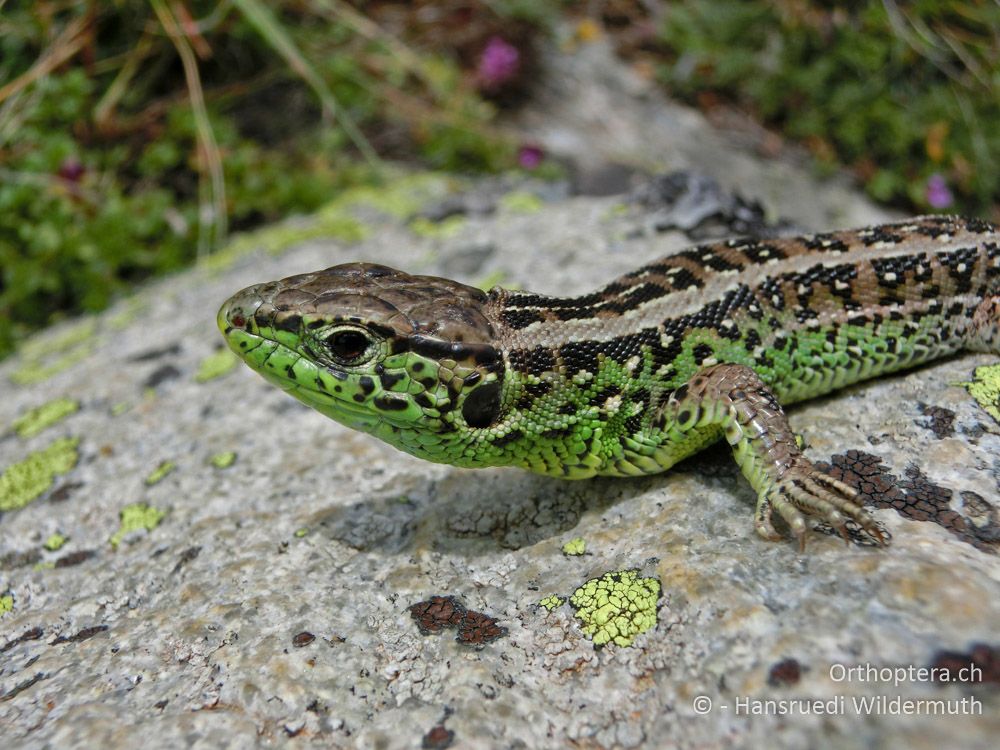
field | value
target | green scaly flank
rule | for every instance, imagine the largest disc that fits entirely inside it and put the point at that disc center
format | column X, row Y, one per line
column 570, row 432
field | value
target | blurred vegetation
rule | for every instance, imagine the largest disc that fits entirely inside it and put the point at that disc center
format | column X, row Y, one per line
column 135, row 135
column 905, row 93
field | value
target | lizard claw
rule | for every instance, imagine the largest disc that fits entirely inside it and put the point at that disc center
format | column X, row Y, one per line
column 805, row 490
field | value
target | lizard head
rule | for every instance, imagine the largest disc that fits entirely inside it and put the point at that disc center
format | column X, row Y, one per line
column 409, row 359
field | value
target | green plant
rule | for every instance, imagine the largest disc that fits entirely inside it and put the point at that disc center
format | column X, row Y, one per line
column 135, row 134
column 906, row 94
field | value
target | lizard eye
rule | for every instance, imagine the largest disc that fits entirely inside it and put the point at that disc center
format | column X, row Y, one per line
column 348, row 346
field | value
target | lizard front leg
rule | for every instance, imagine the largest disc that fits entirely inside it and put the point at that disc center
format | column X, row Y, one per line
column 734, row 398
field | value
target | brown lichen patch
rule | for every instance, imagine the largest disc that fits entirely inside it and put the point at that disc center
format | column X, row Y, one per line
column 12, row 560
column 28, row 635
column 784, row 672
column 980, row 664
column 939, row 420
column 916, row 497
column 983, row 516
column 22, row 686
column 75, row 558
column 82, row 635
column 477, row 629
column 438, row 738
column 439, row 612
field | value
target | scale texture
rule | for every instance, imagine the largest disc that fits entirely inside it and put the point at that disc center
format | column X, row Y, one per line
column 703, row 344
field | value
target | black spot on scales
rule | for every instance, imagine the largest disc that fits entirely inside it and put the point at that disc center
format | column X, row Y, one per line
column 389, row 379
column 482, row 407
column 385, row 402
column 519, row 317
column 510, row 437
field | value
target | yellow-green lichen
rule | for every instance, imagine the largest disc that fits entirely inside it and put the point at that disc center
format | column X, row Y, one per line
column 616, row 211
column 28, row 479
column 216, row 365
column 299, row 533
column 35, row 420
column 157, row 474
column 131, row 309
column 493, row 279
column 985, row 388
column 223, row 460
column 55, row 542
column 424, row 227
column 400, row 196
column 120, row 408
column 575, row 547
column 552, row 602
column 47, row 354
column 616, row 607
column 6, row 604
column 136, row 517
column 521, row 202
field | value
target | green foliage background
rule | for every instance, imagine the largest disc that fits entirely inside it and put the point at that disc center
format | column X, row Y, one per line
column 900, row 91
column 112, row 114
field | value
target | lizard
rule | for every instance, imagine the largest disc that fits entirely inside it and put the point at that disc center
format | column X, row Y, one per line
column 705, row 344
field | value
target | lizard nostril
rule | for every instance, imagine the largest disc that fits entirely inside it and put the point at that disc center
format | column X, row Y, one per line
column 238, row 321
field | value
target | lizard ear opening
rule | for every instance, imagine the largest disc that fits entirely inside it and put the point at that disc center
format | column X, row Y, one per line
column 482, row 406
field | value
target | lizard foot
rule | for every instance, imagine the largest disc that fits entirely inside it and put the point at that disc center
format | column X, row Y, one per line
column 801, row 490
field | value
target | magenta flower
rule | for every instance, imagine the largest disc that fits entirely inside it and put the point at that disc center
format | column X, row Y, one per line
column 938, row 193
column 71, row 169
column 529, row 157
column 498, row 63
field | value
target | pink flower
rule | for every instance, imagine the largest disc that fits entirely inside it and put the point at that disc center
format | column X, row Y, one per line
column 498, row 63
column 529, row 157
column 71, row 169
column 938, row 194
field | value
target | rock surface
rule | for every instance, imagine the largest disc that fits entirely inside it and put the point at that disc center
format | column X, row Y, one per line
column 264, row 598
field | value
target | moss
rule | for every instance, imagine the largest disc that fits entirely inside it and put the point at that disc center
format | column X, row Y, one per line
column 160, row 472
column 34, row 421
column 28, row 479
column 552, row 602
column 223, row 460
column 55, row 542
column 985, row 389
column 521, row 202
column 6, row 604
column 616, row 607
column 575, row 547
column 216, row 365
column 137, row 517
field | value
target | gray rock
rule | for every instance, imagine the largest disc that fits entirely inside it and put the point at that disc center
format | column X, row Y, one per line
column 196, row 633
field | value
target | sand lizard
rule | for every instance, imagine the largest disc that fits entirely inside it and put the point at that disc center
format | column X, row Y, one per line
column 706, row 343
